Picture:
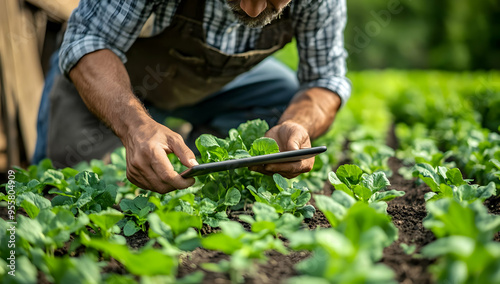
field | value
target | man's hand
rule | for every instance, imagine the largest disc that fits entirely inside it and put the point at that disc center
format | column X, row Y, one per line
column 289, row 136
column 147, row 163
column 308, row 116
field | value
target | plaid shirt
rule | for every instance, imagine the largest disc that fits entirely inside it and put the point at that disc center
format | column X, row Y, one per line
column 115, row 24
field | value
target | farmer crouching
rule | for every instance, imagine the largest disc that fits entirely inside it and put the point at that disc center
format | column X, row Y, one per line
column 207, row 62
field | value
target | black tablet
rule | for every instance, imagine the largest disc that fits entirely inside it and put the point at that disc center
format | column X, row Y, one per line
column 281, row 157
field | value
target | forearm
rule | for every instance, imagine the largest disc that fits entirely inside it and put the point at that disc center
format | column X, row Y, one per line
column 104, row 85
column 314, row 109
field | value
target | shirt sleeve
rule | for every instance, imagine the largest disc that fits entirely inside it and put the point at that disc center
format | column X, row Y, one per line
column 103, row 24
column 320, row 44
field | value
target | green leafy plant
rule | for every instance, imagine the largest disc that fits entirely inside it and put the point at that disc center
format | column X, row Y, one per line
column 85, row 192
column 267, row 219
column 449, row 217
column 136, row 213
column 461, row 260
column 371, row 156
column 290, row 198
column 369, row 188
column 450, row 183
column 245, row 248
column 336, row 259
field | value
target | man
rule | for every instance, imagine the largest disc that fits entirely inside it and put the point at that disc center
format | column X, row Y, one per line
column 205, row 62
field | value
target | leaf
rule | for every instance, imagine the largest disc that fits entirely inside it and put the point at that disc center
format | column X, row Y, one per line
column 264, row 146
column 386, row 195
column 350, row 175
column 332, row 210
column 160, row 264
column 281, row 182
column 454, row 177
column 32, row 203
column 221, row 242
column 130, row 228
column 455, row 245
column 426, row 173
column 251, row 130
column 264, row 212
column 307, row 211
column 376, row 181
column 188, row 241
column 210, row 190
column 362, row 192
column 106, row 219
column 180, row 221
column 233, row 196
column 339, row 185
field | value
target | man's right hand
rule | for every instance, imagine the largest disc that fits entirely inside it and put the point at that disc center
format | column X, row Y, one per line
column 104, row 85
column 147, row 163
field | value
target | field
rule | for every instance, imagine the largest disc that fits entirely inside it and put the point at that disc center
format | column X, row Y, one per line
column 408, row 192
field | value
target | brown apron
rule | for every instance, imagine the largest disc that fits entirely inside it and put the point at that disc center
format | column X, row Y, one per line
column 177, row 68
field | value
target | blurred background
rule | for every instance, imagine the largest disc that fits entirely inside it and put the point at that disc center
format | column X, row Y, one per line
column 448, row 35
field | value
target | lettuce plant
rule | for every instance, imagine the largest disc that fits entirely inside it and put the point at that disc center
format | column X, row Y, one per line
column 369, row 188
column 267, row 219
column 290, row 198
column 446, row 182
column 336, row 259
column 245, row 249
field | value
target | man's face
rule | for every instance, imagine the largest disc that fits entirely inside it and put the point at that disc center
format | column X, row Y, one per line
column 257, row 13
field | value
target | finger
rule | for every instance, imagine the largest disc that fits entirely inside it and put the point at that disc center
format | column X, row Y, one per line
column 136, row 176
column 291, row 168
column 260, row 169
column 165, row 172
column 182, row 151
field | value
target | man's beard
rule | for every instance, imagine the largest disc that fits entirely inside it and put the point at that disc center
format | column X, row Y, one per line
column 266, row 17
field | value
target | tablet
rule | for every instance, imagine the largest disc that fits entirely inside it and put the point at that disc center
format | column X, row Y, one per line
column 281, row 157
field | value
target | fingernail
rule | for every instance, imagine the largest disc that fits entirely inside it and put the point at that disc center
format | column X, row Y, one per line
column 193, row 162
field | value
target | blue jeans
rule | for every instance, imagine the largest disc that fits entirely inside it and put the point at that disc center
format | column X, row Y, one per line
column 264, row 92
column 42, row 124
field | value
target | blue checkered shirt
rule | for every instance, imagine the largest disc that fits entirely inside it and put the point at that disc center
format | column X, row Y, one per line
column 115, row 25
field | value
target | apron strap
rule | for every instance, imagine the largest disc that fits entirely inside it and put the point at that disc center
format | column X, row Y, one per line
column 192, row 9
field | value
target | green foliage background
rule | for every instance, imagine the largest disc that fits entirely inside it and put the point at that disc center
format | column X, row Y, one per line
column 425, row 34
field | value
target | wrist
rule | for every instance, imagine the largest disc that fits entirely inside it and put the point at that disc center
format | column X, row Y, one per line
column 133, row 117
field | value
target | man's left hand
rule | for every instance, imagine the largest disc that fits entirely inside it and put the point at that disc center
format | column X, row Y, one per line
column 289, row 136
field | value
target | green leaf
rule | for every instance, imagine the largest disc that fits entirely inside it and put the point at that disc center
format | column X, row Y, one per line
column 428, row 174
column 264, row 212
column 264, row 146
column 362, row 192
column 130, row 228
column 376, row 181
column 180, row 221
column 233, row 196
column 32, row 203
column 332, row 210
column 135, row 262
column 73, row 270
column 281, row 182
column 454, row 177
column 386, row 195
column 106, row 219
column 251, row 130
column 222, row 242
column 350, row 175
column 307, row 211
